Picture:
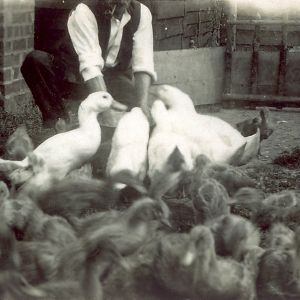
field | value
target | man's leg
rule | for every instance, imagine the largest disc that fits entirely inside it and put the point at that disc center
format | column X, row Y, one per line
column 40, row 74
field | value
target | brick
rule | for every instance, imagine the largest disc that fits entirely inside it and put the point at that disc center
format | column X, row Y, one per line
column 16, row 73
column 30, row 43
column 5, row 46
column 19, row 44
column 11, row 60
column 14, row 87
column 29, row 29
column 19, row 17
column 5, row 75
column 8, row 32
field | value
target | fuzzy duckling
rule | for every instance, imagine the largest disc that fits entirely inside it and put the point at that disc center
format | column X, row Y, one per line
column 234, row 235
column 190, row 267
column 249, row 126
column 97, row 263
column 211, row 136
column 247, row 201
column 278, row 276
column 175, row 261
column 69, row 150
column 19, row 144
column 210, row 201
column 232, row 178
column 131, row 229
column 129, row 145
column 78, row 197
column 41, row 179
column 280, row 237
column 127, row 231
column 163, row 141
column 218, row 278
column 24, row 216
column 284, row 199
column 12, row 284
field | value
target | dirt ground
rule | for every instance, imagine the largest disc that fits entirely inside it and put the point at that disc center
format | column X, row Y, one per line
column 286, row 137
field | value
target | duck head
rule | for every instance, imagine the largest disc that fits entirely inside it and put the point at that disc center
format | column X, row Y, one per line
column 173, row 97
column 99, row 102
column 146, row 210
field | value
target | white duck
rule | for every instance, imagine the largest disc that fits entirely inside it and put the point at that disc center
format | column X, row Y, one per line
column 69, row 150
column 164, row 140
column 129, row 145
column 212, row 136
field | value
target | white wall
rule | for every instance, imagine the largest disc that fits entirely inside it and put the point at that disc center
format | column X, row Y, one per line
column 198, row 72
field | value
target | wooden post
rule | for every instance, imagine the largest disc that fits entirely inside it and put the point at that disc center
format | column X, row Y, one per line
column 231, row 13
column 283, row 57
column 254, row 60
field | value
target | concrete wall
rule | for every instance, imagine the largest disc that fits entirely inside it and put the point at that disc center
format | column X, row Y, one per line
column 198, row 72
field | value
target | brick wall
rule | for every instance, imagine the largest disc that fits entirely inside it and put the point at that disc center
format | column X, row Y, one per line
column 16, row 40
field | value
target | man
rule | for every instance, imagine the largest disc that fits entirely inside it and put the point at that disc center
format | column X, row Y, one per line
column 113, row 43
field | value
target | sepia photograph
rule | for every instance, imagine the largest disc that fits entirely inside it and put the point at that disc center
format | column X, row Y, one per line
column 149, row 150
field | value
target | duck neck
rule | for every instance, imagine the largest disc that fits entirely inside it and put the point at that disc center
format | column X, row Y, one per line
column 86, row 117
column 91, row 284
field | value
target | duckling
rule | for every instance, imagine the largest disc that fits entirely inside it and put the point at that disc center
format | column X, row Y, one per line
column 12, row 284
column 248, row 195
column 218, row 139
column 25, row 217
column 97, row 263
column 169, row 176
column 19, row 144
column 41, row 180
column 280, row 237
column 249, row 126
column 247, row 202
column 266, row 126
column 285, row 199
column 130, row 230
column 38, row 260
column 78, row 197
column 234, row 235
column 189, row 266
column 175, row 260
column 218, row 278
column 62, row 152
column 210, row 201
column 278, row 275
column 232, row 178
column 163, row 141
column 129, row 145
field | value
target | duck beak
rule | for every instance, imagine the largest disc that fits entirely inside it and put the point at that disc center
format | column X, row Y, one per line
column 118, row 106
column 166, row 222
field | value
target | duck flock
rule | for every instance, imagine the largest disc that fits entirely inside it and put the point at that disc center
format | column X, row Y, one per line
column 65, row 234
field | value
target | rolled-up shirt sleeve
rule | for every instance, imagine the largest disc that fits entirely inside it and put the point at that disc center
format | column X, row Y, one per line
column 83, row 30
column 142, row 55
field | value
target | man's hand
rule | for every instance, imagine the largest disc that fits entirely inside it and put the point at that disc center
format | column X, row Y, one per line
column 118, row 106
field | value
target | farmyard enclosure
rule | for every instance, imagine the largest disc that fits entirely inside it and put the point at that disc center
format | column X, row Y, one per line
column 219, row 230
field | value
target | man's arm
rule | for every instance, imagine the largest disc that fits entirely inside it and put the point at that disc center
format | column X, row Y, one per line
column 142, row 83
column 83, row 30
column 142, row 58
